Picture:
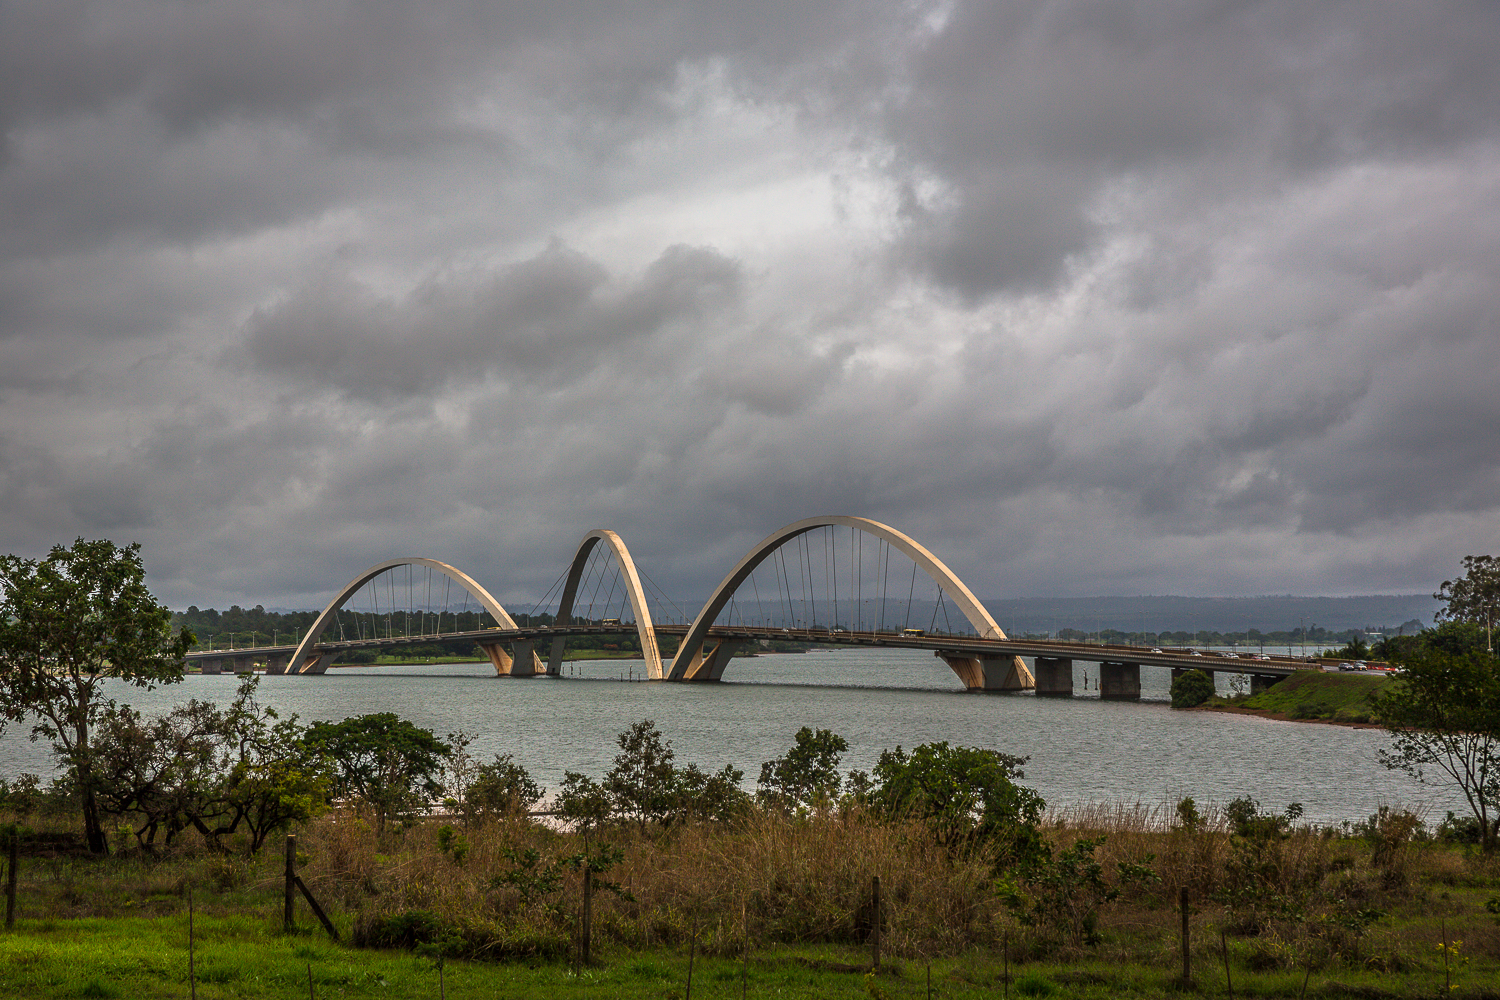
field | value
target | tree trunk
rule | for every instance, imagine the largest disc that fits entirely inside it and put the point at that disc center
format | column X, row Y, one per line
column 93, row 828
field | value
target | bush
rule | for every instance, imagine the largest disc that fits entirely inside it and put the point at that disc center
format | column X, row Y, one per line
column 1192, row 689
column 966, row 797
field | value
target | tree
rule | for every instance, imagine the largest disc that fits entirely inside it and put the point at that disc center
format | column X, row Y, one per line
column 1191, row 689
column 585, row 802
column 713, row 798
column 642, row 783
column 1443, row 717
column 67, row 623
column 211, row 769
column 501, row 788
column 966, row 796
column 1474, row 596
column 163, row 772
column 275, row 778
column 806, row 776
column 383, row 761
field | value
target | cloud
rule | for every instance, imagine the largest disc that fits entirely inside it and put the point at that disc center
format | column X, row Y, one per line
column 547, row 317
column 1090, row 296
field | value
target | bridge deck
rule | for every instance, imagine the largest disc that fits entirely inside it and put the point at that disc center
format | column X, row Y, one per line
column 1280, row 666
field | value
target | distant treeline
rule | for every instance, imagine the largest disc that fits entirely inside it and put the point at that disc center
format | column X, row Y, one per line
column 1311, row 635
column 241, row 627
column 258, row 627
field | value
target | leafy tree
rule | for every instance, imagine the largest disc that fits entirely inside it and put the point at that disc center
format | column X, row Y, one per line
column 642, row 783
column 1474, row 596
column 714, row 798
column 382, row 761
column 966, row 796
column 1192, row 688
column 1248, row 821
column 211, row 769
column 159, row 771
column 501, row 788
column 584, row 802
column 67, row 623
column 275, row 778
column 1068, row 891
column 1443, row 717
column 806, row 776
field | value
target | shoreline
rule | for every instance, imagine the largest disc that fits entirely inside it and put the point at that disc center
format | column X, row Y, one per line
column 1263, row 713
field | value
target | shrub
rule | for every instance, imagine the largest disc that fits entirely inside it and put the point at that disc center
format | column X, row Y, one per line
column 1191, row 689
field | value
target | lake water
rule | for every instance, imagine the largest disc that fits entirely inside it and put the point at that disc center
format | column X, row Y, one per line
column 1082, row 750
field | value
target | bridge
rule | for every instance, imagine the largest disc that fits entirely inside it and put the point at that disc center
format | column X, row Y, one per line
column 985, row 659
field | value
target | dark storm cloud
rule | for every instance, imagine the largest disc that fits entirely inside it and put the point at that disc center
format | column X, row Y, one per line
column 1087, row 295
column 1025, row 110
column 545, row 317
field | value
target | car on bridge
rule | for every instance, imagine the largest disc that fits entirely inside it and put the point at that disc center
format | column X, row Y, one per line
column 914, row 632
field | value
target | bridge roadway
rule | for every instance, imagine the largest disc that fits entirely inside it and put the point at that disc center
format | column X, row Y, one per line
column 968, row 655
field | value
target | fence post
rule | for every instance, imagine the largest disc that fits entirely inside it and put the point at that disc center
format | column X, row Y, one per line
column 291, row 882
column 1187, row 968
column 14, row 851
column 875, row 924
column 588, row 911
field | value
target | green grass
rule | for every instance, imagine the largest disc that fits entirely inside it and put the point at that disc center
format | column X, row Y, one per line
column 249, row 958
column 1313, row 694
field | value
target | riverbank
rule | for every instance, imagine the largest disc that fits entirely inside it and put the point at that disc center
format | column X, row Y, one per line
column 1341, row 699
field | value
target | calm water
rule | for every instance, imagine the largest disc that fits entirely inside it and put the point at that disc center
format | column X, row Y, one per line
column 1082, row 750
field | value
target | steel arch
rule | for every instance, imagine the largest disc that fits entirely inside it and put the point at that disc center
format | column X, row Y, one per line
column 691, row 649
column 502, row 618
column 643, row 625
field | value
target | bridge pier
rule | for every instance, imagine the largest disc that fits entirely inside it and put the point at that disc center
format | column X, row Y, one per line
column 277, row 664
column 1262, row 682
column 988, row 673
column 521, row 661
column 1119, row 681
column 555, row 655
column 711, row 667
column 244, row 665
column 1054, row 677
column 210, row 666
column 317, row 663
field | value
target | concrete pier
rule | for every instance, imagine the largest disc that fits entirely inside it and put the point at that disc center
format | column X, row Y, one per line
column 1119, row 681
column 1054, row 677
column 1261, row 682
column 988, row 673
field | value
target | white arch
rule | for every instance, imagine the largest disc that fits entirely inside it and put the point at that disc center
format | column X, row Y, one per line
column 299, row 658
column 643, row 626
column 691, row 650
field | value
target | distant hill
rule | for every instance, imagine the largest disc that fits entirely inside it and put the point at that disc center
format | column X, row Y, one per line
column 1224, row 614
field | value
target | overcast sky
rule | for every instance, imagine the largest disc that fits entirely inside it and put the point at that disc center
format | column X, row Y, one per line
column 1091, row 298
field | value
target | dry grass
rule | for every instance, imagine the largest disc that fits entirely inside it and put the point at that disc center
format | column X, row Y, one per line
column 1311, row 896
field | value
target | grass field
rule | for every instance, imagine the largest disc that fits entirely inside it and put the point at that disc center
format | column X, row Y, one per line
column 1313, row 695
column 1369, row 913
